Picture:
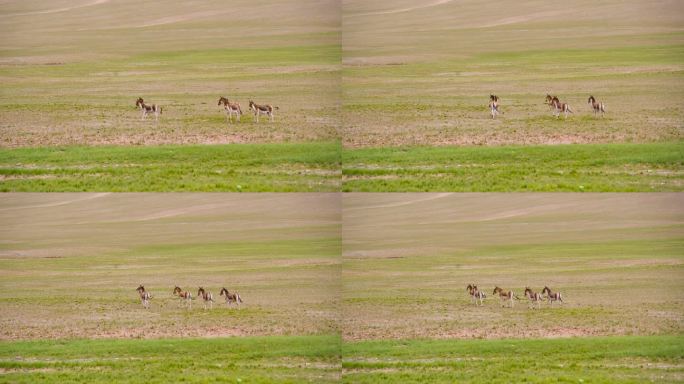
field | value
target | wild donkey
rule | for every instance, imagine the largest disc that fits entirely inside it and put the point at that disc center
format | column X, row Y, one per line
column 144, row 296
column 535, row 297
column 475, row 294
column 262, row 110
column 183, row 296
column 493, row 105
column 552, row 296
column 231, row 297
column 596, row 106
column 231, row 108
column 146, row 109
column 505, row 296
column 558, row 107
column 207, row 297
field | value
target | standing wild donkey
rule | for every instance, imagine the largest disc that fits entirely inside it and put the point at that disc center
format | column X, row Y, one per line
column 144, row 296
column 147, row 109
column 262, row 110
column 231, row 297
column 231, row 108
column 596, row 106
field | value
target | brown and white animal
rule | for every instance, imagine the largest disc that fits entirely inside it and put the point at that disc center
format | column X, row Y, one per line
column 183, row 296
column 475, row 294
column 596, row 106
column 147, row 109
column 550, row 99
column 493, row 105
column 552, row 296
column 558, row 107
column 262, row 110
column 535, row 297
column 207, row 297
column 144, row 296
column 231, row 297
column 505, row 296
column 230, row 108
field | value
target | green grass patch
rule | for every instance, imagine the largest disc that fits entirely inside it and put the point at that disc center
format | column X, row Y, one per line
column 632, row 359
column 276, row 359
column 586, row 167
column 244, row 167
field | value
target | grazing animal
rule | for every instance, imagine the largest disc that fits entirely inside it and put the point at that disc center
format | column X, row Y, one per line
column 596, row 106
column 231, row 108
column 558, row 107
column 144, row 296
column 207, row 297
column 183, row 296
column 535, row 297
column 262, row 110
column 494, row 105
column 231, row 297
column 505, row 296
column 147, row 109
column 475, row 294
column 552, row 296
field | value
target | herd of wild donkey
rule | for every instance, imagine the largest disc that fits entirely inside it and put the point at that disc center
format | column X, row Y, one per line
column 554, row 103
column 231, row 108
column 478, row 296
column 185, row 297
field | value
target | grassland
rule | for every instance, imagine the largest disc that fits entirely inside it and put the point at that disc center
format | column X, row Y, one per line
column 72, row 70
column 291, row 359
column 407, row 258
column 625, row 359
column 419, row 75
column 650, row 167
column 69, row 264
column 71, row 77
column 300, row 167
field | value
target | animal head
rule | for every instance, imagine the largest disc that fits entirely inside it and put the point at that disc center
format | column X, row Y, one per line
column 493, row 98
column 140, row 288
column 528, row 290
column 469, row 287
column 497, row 289
column 200, row 291
column 546, row 289
column 224, row 290
column 591, row 100
column 139, row 102
column 177, row 290
column 222, row 100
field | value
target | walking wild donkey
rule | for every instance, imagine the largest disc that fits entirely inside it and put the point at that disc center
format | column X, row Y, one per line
column 183, row 296
column 552, row 296
column 505, row 296
column 535, row 297
column 231, row 297
column 475, row 294
column 207, row 297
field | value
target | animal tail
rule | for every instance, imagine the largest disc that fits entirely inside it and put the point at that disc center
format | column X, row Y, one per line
column 276, row 108
column 239, row 298
column 160, row 110
column 570, row 110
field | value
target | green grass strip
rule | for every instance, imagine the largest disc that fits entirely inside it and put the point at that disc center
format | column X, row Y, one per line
column 298, row 167
column 580, row 167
